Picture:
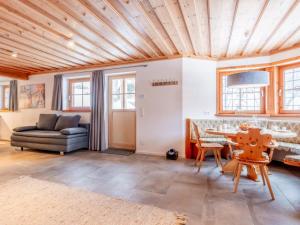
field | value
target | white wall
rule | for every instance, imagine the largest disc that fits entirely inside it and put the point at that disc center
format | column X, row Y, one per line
column 198, row 88
column 158, row 129
column 259, row 60
column 10, row 120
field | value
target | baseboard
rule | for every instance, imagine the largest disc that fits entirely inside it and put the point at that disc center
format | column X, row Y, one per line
column 156, row 154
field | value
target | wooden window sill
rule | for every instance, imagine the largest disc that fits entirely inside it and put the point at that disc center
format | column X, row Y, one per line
column 257, row 115
column 242, row 115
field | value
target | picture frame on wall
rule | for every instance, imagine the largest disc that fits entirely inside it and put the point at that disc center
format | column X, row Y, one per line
column 32, row 96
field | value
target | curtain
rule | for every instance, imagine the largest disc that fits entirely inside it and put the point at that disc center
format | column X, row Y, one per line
column 97, row 128
column 57, row 98
column 13, row 95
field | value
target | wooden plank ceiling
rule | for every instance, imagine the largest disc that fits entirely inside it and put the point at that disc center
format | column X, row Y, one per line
column 57, row 35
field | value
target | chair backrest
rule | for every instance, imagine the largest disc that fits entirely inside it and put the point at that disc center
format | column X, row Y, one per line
column 253, row 143
column 197, row 134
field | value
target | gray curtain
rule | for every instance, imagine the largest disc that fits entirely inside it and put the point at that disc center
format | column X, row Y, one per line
column 57, row 98
column 13, row 95
column 97, row 128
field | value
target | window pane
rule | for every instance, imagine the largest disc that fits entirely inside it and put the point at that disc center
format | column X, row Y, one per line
column 86, row 87
column 243, row 99
column 117, row 86
column 6, row 98
column 291, row 91
column 117, row 101
column 129, row 101
column 130, row 85
column 77, row 88
column 86, row 101
column 77, row 100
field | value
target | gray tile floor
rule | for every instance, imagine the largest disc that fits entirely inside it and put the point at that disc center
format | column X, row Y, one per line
column 206, row 198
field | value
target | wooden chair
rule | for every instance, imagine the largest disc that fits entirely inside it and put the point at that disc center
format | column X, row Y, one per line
column 253, row 146
column 292, row 160
column 204, row 147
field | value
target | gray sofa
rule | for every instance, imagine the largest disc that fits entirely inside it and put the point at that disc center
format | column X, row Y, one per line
column 53, row 133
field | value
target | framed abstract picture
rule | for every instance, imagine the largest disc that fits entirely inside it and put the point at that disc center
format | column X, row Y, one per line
column 32, row 96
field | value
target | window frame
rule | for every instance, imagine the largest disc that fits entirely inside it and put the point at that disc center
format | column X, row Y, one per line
column 4, row 109
column 70, row 106
column 221, row 111
column 122, row 77
column 280, row 103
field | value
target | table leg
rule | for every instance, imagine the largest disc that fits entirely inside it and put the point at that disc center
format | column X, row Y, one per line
column 230, row 166
column 253, row 172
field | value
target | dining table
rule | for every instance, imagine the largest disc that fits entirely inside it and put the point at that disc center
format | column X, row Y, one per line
column 230, row 135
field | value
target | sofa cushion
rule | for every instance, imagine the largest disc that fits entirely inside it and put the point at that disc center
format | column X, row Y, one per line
column 74, row 130
column 45, row 134
column 67, row 122
column 25, row 128
column 47, row 121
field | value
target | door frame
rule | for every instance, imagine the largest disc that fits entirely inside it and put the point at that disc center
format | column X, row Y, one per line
column 110, row 111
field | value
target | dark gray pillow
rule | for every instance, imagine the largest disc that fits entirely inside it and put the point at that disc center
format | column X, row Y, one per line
column 47, row 122
column 67, row 122
column 74, row 130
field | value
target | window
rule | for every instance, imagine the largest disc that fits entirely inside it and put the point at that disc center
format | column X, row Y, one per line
column 241, row 100
column 289, row 92
column 79, row 94
column 123, row 93
column 4, row 91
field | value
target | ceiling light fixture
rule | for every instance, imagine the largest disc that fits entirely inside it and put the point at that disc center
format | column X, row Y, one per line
column 14, row 54
column 71, row 44
column 248, row 79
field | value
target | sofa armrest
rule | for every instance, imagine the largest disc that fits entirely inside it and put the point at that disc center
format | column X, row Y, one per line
column 74, row 130
column 24, row 128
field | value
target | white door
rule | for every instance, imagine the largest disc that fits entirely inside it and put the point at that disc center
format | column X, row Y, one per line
column 122, row 115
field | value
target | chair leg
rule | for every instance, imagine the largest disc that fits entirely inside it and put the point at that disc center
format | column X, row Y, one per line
column 201, row 160
column 235, row 172
column 220, row 158
column 216, row 157
column 237, row 179
column 198, row 157
column 268, row 181
column 262, row 174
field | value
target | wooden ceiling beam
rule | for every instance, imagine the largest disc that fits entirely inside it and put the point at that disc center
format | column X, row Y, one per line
column 209, row 26
column 23, row 60
column 10, row 74
column 19, row 46
column 40, row 47
column 28, row 53
column 28, row 35
column 77, row 37
column 286, row 15
column 279, row 45
column 140, row 7
column 188, row 28
column 88, row 33
column 255, row 26
column 142, row 36
column 37, row 26
column 236, row 6
column 105, row 22
column 174, row 24
column 27, row 26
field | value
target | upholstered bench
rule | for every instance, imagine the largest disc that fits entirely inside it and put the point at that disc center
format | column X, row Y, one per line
column 286, row 146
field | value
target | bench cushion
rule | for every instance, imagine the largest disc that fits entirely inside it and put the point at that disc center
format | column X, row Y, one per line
column 295, row 158
column 286, row 146
column 220, row 140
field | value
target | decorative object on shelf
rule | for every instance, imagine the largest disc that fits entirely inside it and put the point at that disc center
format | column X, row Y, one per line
column 248, row 79
column 164, row 82
column 32, row 96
